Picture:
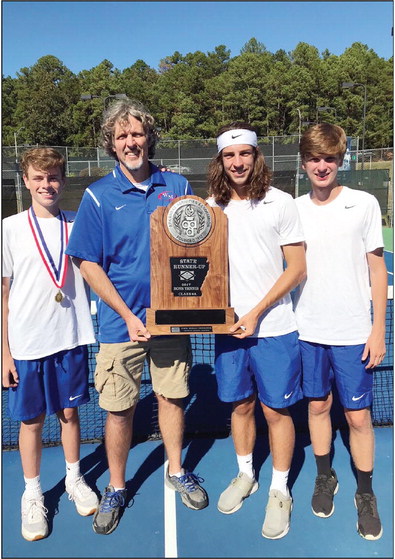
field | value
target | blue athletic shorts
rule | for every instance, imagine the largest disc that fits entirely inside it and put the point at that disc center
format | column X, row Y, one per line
column 50, row 384
column 273, row 363
column 323, row 364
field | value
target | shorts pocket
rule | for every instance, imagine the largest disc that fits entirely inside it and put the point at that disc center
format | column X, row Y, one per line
column 103, row 371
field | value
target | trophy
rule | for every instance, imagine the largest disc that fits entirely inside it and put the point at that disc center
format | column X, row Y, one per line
column 189, row 269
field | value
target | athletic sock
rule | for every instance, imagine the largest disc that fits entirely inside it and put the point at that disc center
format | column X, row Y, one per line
column 72, row 470
column 279, row 481
column 178, row 474
column 245, row 465
column 323, row 464
column 364, row 482
column 32, row 487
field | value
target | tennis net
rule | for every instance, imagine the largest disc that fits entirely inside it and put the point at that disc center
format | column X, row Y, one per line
column 205, row 414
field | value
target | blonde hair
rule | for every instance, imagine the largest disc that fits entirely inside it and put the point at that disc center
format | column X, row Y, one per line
column 43, row 159
column 218, row 182
column 324, row 138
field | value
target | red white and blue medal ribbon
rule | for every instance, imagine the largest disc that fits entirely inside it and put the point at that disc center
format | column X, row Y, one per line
column 56, row 273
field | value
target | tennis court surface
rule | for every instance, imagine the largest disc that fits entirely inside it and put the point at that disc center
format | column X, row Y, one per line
column 157, row 524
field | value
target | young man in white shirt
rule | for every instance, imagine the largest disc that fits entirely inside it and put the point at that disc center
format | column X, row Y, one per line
column 47, row 326
column 262, row 355
column 344, row 254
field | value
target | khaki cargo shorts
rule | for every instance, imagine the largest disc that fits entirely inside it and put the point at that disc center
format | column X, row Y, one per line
column 119, row 368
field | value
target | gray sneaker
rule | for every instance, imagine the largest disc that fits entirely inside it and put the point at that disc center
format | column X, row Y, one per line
column 369, row 524
column 239, row 489
column 107, row 516
column 34, row 518
column 278, row 514
column 192, row 494
column 324, row 490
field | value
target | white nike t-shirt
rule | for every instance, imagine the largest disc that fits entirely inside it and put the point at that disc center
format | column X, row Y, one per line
column 256, row 232
column 333, row 303
column 39, row 326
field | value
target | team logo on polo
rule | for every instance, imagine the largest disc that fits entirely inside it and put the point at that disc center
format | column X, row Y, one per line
column 166, row 195
column 189, row 221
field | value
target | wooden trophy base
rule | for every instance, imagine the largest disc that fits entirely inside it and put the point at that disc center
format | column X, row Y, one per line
column 193, row 321
column 189, row 269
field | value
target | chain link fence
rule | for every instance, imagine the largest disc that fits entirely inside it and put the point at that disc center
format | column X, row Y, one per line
column 371, row 170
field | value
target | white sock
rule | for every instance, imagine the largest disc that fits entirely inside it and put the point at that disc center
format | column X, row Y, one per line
column 32, row 487
column 178, row 474
column 279, row 481
column 245, row 465
column 73, row 470
column 119, row 488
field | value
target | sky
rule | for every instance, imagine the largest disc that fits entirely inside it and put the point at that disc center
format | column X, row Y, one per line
column 83, row 34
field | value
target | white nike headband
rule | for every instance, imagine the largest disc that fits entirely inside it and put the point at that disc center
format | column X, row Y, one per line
column 239, row 136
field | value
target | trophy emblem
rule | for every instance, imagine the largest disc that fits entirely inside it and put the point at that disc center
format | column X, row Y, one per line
column 189, row 221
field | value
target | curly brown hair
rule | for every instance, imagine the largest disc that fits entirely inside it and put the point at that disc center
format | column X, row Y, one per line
column 119, row 111
column 218, row 182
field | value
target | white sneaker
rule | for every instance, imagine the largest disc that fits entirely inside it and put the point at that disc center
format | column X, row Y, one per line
column 239, row 489
column 278, row 514
column 85, row 499
column 34, row 518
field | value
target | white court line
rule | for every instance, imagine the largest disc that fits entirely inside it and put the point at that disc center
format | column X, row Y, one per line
column 170, row 518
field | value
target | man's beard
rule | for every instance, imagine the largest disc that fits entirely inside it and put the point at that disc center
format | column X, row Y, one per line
column 134, row 166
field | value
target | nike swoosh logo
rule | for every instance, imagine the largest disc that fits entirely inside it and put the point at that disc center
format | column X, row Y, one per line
column 356, row 398
column 286, row 396
column 120, row 207
column 348, row 207
column 237, row 136
column 74, row 397
column 268, row 201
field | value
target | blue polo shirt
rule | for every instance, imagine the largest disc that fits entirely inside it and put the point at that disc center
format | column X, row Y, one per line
column 112, row 228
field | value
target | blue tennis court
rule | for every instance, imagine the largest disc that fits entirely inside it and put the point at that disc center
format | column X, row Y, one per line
column 157, row 524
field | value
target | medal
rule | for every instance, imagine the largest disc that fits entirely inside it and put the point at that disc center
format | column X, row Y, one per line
column 59, row 297
column 57, row 273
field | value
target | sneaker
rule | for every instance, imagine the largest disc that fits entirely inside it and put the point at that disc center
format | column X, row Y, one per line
column 108, row 514
column 85, row 499
column 324, row 490
column 278, row 514
column 239, row 489
column 368, row 525
column 192, row 494
column 34, row 518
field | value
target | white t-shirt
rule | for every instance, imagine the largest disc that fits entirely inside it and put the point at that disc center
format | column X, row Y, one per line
column 38, row 326
column 333, row 304
column 256, row 232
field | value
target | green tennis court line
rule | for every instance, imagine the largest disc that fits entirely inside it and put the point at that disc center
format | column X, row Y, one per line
column 388, row 234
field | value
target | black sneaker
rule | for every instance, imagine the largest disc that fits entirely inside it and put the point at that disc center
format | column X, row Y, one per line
column 325, row 488
column 192, row 494
column 107, row 516
column 368, row 525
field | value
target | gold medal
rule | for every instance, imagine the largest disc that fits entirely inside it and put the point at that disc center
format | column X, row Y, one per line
column 57, row 273
column 59, row 297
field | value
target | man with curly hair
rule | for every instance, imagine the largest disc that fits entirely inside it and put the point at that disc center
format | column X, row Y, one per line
column 262, row 353
column 111, row 240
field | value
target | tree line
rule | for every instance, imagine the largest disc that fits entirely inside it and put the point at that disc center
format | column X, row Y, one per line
column 191, row 96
